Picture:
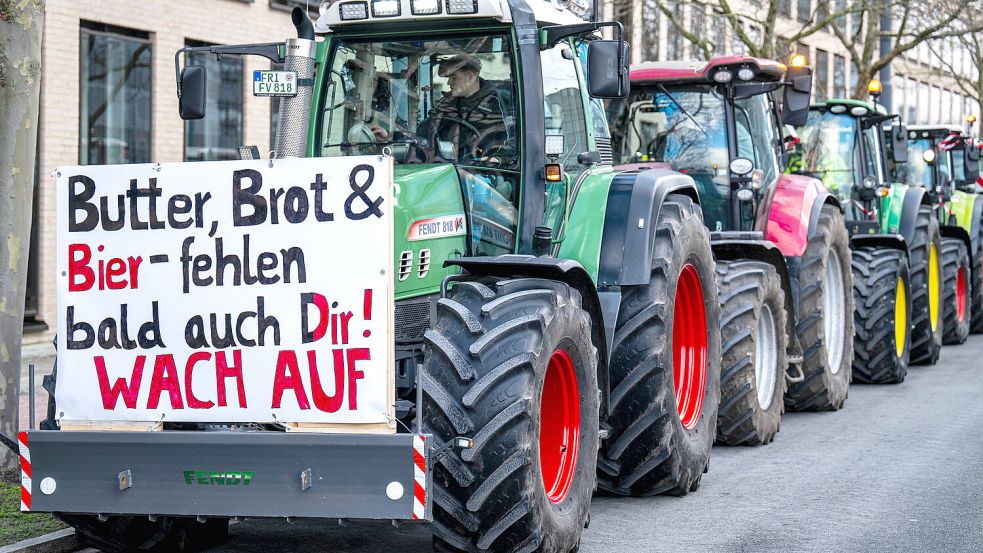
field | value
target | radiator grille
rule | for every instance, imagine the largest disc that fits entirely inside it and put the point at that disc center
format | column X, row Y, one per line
column 604, row 148
column 424, row 262
column 413, row 319
column 405, row 265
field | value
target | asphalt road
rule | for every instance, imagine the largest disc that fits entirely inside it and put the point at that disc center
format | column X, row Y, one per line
column 899, row 468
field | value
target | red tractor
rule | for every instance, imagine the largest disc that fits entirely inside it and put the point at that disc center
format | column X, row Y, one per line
column 782, row 250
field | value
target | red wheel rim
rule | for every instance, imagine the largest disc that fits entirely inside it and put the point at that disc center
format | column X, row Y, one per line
column 961, row 294
column 559, row 428
column 689, row 343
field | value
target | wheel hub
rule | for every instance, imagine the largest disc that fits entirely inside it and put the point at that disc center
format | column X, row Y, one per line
column 559, row 429
column 933, row 287
column 689, row 342
column 834, row 311
column 765, row 357
column 900, row 317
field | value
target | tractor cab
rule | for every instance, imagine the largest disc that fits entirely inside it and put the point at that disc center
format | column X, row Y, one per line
column 853, row 146
column 943, row 159
column 719, row 122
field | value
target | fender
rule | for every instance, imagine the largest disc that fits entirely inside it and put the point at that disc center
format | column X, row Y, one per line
column 967, row 209
column 634, row 203
column 892, row 241
column 914, row 198
column 563, row 270
column 730, row 246
column 950, row 231
column 794, row 209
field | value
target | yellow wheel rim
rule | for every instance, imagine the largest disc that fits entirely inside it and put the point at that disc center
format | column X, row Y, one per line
column 900, row 318
column 933, row 287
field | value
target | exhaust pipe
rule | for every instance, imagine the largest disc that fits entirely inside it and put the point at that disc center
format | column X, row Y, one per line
column 295, row 111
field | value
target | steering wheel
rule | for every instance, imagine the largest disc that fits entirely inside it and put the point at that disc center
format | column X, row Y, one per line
column 442, row 120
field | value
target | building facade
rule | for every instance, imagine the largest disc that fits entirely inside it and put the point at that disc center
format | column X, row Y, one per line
column 108, row 95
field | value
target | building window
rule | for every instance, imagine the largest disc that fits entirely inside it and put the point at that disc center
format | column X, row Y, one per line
column 719, row 34
column 839, row 76
column 650, row 33
column 934, row 103
column 923, row 103
column 822, row 75
column 698, row 26
column 854, row 77
column 115, row 95
column 804, row 10
column 843, row 21
column 785, row 8
column 674, row 40
column 897, row 95
column 219, row 133
column 911, row 100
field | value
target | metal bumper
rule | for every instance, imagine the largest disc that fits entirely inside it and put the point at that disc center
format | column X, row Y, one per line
column 262, row 474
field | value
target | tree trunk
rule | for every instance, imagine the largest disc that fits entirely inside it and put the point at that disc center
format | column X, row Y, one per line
column 20, row 89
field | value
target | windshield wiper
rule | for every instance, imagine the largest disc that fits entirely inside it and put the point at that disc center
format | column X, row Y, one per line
column 682, row 109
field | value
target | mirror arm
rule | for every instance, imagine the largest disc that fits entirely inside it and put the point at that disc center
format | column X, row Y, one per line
column 556, row 33
column 269, row 50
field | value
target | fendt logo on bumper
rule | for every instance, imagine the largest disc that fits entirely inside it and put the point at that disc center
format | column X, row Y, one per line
column 213, row 478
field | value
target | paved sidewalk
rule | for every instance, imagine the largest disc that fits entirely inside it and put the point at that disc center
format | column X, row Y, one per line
column 43, row 358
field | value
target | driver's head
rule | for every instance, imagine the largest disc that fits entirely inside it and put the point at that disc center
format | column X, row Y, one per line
column 461, row 72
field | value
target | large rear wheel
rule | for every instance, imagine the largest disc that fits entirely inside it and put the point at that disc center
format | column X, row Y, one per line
column 882, row 343
column 753, row 351
column 825, row 317
column 511, row 364
column 925, row 258
column 665, row 365
column 957, row 303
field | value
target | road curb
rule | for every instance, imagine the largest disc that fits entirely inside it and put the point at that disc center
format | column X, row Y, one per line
column 62, row 541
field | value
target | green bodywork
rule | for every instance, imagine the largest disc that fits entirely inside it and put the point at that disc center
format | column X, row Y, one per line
column 961, row 207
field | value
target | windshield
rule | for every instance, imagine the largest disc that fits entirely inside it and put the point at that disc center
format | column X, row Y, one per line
column 917, row 172
column 429, row 101
column 685, row 128
column 829, row 150
column 754, row 118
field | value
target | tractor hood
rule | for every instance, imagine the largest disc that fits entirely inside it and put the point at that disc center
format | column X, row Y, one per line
column 429, row 223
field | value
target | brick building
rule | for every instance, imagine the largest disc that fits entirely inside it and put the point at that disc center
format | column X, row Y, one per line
column 108, row 96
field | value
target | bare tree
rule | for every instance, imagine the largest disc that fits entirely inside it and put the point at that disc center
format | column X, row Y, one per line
column 971, row 83
column 20, row 88
column 914, row 22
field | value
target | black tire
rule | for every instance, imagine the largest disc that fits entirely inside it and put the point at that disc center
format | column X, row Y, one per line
column 122, row 534
column 926, row 341
column 751, row 301
column 826, row 382
column 485, row 364
column 955, row 266
column 876, row 274
column 976, row 289
column 649, row 451
column 125, row 534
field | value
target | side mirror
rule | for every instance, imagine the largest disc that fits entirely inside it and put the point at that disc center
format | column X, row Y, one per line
column 605, row 79
column 191, row 100
column 899, row 143
column 798, row 94
column 971, row 159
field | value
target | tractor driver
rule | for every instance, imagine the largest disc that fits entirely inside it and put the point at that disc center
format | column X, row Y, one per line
column 470, row 116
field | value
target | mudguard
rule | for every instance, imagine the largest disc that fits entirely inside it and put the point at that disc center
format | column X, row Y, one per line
column 914, row 198
column 563, row 270
column 968, row 209
column 634, row 203
column 951, row 231
column 729, row 246
column 892, row 241
column 793, row 212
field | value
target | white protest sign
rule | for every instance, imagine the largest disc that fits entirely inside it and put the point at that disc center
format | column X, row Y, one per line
column 226, row 291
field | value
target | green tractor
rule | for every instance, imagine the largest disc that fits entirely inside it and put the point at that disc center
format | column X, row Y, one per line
column 783, row 259
column 893, row 233
column 945, row 162
column 547, row 307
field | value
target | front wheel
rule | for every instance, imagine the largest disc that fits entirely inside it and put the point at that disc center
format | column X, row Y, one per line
column 925, row 255
column 881, row 285
column 825, row 317
column 753, row 348
column 665, row 365
column 956, row 298
column 511, row 364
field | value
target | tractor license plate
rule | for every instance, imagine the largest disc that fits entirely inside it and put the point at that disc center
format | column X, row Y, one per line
column 274, row 83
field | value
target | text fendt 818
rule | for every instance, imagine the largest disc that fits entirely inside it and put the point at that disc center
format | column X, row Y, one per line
column 945, row 162
column 783, row 259
column 893, row 234
column 576, row 303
